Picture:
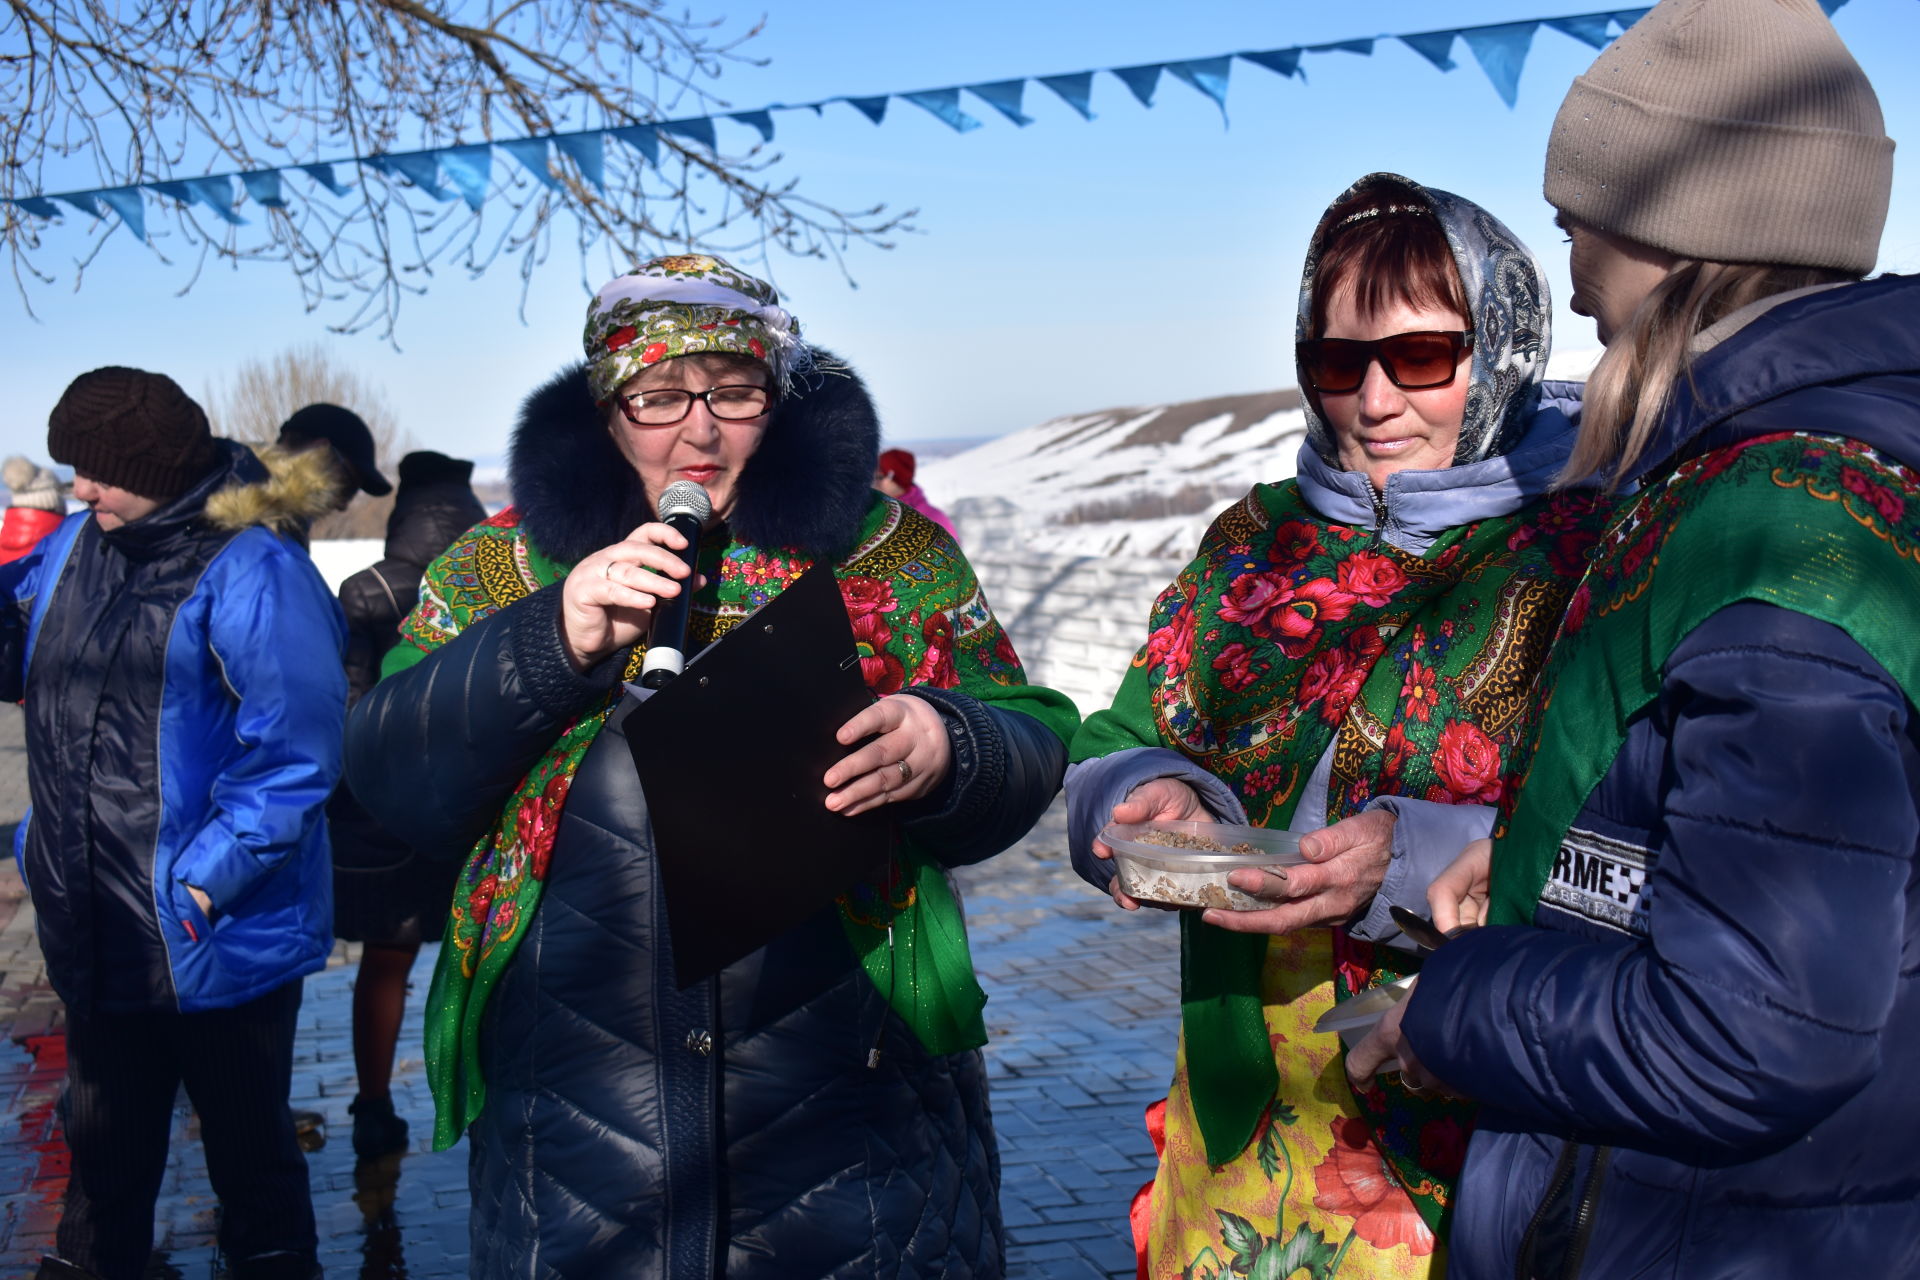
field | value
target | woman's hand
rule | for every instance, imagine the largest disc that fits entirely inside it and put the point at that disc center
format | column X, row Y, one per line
column 1385, row 1049
column 1156, row 800
column 910, row 757
column 609, row 598
column 1458, row 895
column 1345, row 864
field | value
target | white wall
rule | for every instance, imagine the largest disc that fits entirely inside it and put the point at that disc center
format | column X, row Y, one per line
column 1075, row 620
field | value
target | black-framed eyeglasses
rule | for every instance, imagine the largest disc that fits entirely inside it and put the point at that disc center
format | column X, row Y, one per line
column 664, row 406
column 1414, row 361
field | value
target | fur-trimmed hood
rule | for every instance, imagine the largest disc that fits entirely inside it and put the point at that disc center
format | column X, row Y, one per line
column 283, row 490
column 805, row 489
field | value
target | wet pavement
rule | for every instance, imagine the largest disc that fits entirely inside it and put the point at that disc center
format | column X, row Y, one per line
column 1082, row 1011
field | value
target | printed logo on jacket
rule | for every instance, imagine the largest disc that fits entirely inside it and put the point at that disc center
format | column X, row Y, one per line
column 1600, row 879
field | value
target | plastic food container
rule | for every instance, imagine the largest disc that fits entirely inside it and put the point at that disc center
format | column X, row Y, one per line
column 1185, row 864
column 1352, row 1018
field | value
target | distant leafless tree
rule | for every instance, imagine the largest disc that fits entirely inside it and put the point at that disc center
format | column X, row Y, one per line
column 264, row 393
column 101, row 94
column 1146, row 504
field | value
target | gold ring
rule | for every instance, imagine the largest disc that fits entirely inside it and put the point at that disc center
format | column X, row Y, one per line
column 906, row 771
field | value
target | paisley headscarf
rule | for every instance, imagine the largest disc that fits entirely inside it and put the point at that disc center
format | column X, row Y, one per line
column 1511, row 313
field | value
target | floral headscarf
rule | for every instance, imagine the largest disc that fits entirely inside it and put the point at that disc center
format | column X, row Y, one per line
column 687, row 304
column 1509, row 310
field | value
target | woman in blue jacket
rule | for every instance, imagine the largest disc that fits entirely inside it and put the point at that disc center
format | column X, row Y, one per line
column 1697, row 1064
column 180, row 662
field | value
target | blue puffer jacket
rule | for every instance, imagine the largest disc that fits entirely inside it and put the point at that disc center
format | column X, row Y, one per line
column 184, row 709
column 1700, row 1064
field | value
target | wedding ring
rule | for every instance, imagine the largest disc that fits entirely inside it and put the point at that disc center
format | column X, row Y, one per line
column 606, row 570
column 906, row 771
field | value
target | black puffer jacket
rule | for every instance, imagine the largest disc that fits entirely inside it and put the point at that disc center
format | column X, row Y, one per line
column 434, row 506
column 732, row 1128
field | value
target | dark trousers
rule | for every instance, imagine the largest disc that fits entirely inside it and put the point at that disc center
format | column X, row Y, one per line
column 123, row 1070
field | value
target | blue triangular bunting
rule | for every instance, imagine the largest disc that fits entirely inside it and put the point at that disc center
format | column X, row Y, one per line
column 470, row 169
column 175, row 191
column 874, row 109
column 760, row 120
column 944, row 103
column 1004, row 96
column 699, row 129
column 1142, row 80
column 217, row 195
column 38, row 206
column 1362, row 47
column 589, row 152
column 1590, row 28
column 83, row 201
column 1209, row 76
column 1284, row 62
column 263, row 188
column 125, row 201
column 642, row 138
column 1501, row 52
column 323, row 174
column 1435, row 46
column 1624, row 18
column 532, row 155
column 1832, row 6
column 1075, row 90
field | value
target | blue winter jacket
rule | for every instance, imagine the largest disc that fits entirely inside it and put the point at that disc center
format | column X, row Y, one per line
column 184, row 709
column 1700, row 1065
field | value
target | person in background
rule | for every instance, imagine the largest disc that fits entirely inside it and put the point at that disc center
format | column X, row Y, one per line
column 180, row 661
column 893, row 476
column 1694, row 1018
column 349, row 451
column 386, row 896
column 37, row 502
column 1340, row 660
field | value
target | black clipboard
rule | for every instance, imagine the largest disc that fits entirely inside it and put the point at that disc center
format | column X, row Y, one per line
column 730, row 755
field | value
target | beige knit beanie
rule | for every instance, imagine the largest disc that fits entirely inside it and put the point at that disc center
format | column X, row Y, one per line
column 1729, row 130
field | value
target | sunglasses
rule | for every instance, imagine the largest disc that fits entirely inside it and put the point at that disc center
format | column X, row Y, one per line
column 1411, row 361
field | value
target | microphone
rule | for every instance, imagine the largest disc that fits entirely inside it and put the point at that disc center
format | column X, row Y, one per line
column 684, row 507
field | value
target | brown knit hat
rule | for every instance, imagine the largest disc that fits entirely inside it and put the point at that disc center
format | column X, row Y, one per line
column 134, row 430
column 1728, row 130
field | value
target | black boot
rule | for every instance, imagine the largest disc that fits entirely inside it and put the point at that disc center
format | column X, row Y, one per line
column 276, row 1266
column 52, row 1268
column 377, row 1131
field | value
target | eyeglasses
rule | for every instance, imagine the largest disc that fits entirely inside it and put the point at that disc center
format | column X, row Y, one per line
column 1411, row 361
column 664, row 406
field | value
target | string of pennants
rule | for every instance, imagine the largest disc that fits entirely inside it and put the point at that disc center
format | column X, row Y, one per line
column 466, row 172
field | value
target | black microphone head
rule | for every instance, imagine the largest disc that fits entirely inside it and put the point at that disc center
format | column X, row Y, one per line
column 685, row 498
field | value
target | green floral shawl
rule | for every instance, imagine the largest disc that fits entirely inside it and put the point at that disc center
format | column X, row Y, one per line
column 918, row 616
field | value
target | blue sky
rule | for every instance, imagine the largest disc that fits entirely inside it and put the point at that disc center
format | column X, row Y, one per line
column 1071, row 265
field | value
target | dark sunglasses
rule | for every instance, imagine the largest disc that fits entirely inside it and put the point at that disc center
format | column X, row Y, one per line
column 1411, row 361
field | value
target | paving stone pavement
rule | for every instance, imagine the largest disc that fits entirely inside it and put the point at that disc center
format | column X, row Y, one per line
column 1082, row 1011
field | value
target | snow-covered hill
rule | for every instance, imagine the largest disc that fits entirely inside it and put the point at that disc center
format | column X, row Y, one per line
column 1142, row 480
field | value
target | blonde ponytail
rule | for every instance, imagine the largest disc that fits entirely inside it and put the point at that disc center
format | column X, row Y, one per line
column 1630, row 389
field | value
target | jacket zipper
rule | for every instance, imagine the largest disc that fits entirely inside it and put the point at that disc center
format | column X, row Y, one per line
column 1562, row 1175
column 1584, row 1215
column 1379, row 501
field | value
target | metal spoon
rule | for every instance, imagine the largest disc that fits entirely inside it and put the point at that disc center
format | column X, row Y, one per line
column 1423, row 932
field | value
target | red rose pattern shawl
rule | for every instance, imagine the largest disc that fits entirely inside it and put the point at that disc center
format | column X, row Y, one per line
column 1288, row 633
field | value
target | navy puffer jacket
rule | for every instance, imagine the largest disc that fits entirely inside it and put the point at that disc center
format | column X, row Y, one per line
column 733, row 1128
column 183, row 708
column 1699, row 1065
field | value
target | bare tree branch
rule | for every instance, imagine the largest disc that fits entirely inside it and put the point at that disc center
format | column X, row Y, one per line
column 112, row 93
